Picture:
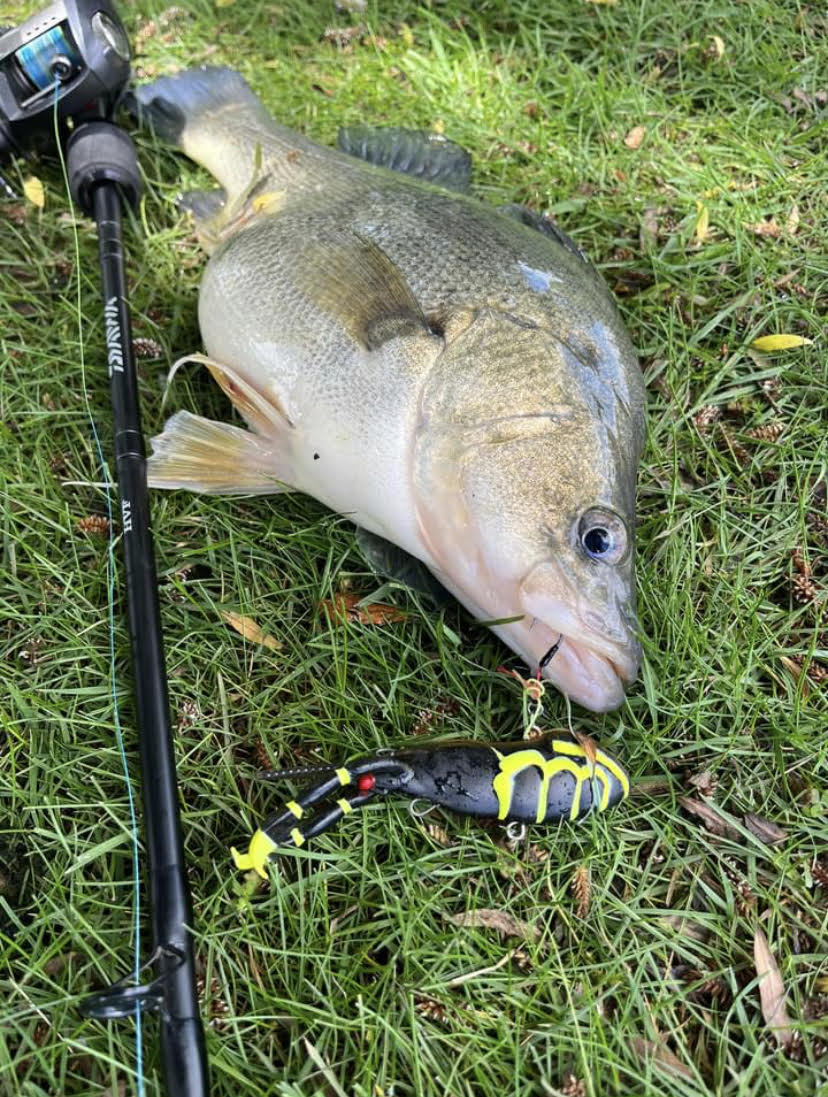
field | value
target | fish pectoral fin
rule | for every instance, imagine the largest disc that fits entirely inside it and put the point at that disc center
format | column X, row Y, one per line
column 391, row 561
column 265, row 414
column 216, row 458
column 351, row 278
column 427, row 156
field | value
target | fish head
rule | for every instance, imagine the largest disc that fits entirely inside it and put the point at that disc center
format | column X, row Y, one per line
column 529, row 502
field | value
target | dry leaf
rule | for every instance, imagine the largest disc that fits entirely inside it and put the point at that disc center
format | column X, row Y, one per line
column 33, row 189
column 795, row 670
column 635, row 137
column 768, row 227
column 780, row 342
column 765, row 830
column 704, row 783
column 771, row 990
column 792, row 221
column 500, row 920
column 648, row 233
column 702, row 223
column 685, row 928
column 661, row 1056
column 15, row 212
column 248, row 628
column 348, row 607
column 713, row 821
column 718, row 46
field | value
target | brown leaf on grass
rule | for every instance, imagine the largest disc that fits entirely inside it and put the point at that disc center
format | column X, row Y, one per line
column 792, row 220
column 492, row 918
column 588, row 745
column 16, row 212
column 572, row 1086
column 800, row 563
column 581, row 891
column 635, row 137
column 348, row 607
column 704, row 783
column 56, row 964
column 648, row 233
column 768, row 227
column 250, row 630
column 661, row 1056
column 771, row 990
column 712, row 820
column 795, row 670
column 766, row 831
column 807, row 100
column 684, row 927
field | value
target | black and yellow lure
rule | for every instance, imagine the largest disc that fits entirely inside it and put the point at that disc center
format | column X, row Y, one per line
column 541, row 781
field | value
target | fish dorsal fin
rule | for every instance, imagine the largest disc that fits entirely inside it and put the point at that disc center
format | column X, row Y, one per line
column 546, row 225
column 351, row 278
column 427, row 156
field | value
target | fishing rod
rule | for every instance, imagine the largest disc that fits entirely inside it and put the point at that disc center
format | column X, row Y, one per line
column 61, row 73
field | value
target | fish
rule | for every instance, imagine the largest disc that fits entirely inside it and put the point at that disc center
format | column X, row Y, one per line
column 454, row 378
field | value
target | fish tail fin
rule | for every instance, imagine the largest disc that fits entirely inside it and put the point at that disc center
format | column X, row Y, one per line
column 216, row 458
column 212, row 115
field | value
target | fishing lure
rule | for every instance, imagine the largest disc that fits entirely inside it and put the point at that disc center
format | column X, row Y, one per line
column 556, row 777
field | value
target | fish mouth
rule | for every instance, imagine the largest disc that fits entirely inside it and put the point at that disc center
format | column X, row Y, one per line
column 588, row 663
column 589, row 656
column 583, row 662
column 590, row 669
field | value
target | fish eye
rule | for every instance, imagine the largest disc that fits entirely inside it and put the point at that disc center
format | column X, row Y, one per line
column 602, row 535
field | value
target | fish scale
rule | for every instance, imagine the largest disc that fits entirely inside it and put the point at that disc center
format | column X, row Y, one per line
column 453, row 379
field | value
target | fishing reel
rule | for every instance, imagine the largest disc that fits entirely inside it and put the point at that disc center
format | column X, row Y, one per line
column 72, row 56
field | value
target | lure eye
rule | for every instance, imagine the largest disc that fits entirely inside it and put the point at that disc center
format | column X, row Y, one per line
column 602, row 535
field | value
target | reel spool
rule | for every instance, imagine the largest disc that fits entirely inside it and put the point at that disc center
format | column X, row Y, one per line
column 75, row 51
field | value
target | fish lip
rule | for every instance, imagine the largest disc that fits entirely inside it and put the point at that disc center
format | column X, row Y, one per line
column 621, row 656
column 589, row 666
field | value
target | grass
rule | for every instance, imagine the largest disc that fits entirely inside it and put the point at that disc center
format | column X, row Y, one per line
column 345, row 974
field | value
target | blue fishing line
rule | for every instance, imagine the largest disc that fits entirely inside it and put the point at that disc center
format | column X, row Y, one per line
column 36, row 57
column 110, row 574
